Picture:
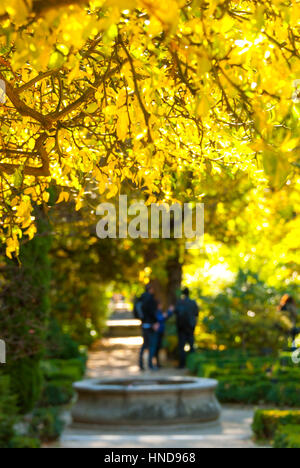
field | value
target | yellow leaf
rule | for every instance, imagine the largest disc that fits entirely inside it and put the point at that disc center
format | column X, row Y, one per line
column 24, row 209
column 31, row 143
column 31, row 231
column 122, row 98
column 154, row 28
column 226, row 24
column 203, row 107
column 152, row 199
column 63, row 197
column 122, row 125
column 79, row 201
column 79, row 204
column 26, row 222
column 12, row 246
column 204, row 65
column 18, row 10
column 113, row 191
column 289, row 145
column 29, row 191
column 46, row 196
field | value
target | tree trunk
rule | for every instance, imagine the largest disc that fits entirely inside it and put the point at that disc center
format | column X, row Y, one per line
column 174, row 271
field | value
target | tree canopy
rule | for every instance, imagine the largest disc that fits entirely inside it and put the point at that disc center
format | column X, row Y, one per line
column 141, row 90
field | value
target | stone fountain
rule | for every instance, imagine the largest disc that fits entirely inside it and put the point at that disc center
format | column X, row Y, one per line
column 146, row 400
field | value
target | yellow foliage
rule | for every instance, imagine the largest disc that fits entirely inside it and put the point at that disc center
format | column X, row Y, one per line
column 12, row 246
column 142, row 90
column 63, row 197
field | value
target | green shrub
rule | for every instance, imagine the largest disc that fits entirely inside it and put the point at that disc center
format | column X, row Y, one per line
column 283, row 394
column 26, row 382
column 46, row 424
column 56, row 393
column 60, row 369
column 8, row 412
column 229, row 321
column 60, row 345
column 24, row 295
column 248, row 379
column 193, row 362
column 241, row 391
column 266, row 422
column 23, row 442
column 245, row 389
column 231, row 361
column 287, row 437
column 59, row 375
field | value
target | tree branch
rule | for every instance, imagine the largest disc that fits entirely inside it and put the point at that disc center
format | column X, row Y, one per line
column 137, row 91
column 47, row 120
column 23, row 108
column 89, row 93
column 35, row 80
column 43, row 171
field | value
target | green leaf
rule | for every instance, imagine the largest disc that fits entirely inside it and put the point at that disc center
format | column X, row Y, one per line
column 57, row 59
column 110, row 34
column 18, row 178
column 277, row 167
column 92, row 108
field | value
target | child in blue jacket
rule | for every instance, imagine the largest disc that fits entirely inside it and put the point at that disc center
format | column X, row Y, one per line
column 161, row 317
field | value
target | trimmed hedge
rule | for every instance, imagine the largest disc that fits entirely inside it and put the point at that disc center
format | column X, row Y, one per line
column 62, row 369
column 266, row 422
column 60, row 345
column 240, row 390
column 247, row 379
column 26, row 382
column 59, row 376
column 206, row 362
column 287, row 437
column 23, row 442
column 56, row 393
column 8, row 412
column 46, row 424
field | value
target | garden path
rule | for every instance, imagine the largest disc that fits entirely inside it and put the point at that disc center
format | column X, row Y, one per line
column 117, row 357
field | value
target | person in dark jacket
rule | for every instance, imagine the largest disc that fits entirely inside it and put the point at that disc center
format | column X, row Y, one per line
column 186, row 312
column 288, row 304
column 148, row 305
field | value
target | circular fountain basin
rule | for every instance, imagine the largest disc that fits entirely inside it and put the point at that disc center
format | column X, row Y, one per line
column 143, row 400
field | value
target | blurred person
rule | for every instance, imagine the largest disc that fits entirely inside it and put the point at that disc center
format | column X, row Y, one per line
column 288, row 304
column 162, row 317
column 146, row 308
column 186, row 311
